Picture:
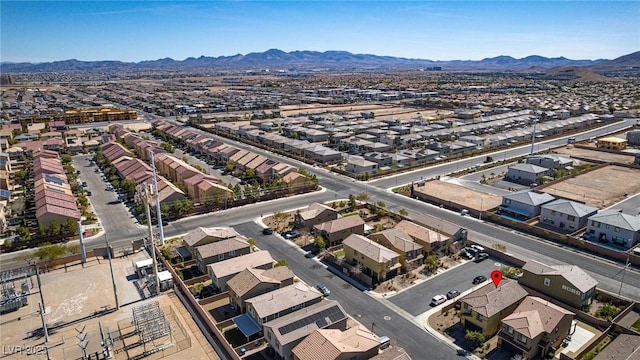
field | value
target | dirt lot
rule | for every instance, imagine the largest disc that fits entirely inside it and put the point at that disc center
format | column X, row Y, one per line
column 452, row 193
column 599, row 188
column 596, row 155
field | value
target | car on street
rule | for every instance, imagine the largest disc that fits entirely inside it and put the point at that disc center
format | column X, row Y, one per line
column 452, row 293
column 438, row 299
column 267, row 231
column 323, row 289
column 309, row 255
column 479, row 279
column 481, row 257
column 89, row 193
column 477, row 247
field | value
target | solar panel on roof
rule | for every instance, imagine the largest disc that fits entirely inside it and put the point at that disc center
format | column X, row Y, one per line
column 320, row 319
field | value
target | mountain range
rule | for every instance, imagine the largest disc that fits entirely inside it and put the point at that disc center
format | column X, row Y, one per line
column 277, row 60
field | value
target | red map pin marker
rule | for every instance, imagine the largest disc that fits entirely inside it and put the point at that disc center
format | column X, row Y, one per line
column 496, row 276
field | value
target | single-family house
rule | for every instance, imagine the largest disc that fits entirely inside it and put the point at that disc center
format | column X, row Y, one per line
column 566, row 283
column 399, row 241
column 334, row 231
column 624, row 347
column 566, row 215
column 284, row 333
column 355, row 343
column 484, row 308
column 526, row 174
column 377, row 261
column 523, row 204
column 315, row 213
column 614, row 226
column 252, row 282
column 534, row 328
column 358, row 166
column 549, row 161
column 202, row 236
column 220, row 251
column 430, row 240
column 280, row 302
column 223, row 271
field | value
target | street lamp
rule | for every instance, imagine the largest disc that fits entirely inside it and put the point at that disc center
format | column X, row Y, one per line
column 624, row 271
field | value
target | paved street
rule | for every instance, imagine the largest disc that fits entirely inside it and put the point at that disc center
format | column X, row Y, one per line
column 363, row 308
column 459, row 278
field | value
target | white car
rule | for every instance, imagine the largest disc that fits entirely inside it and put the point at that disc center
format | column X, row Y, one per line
column 438, row 299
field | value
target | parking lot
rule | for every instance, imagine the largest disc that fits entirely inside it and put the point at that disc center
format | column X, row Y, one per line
column 114, row 216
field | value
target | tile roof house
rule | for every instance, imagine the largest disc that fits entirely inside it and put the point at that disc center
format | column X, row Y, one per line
column 534, row 328
column 429, row 239
column 221, row 250
column 357, row 166
column 357, row 343
column 253, row 282
column 566, row 215
column 523, row 204
column 202, row 236
column 191, row 184
column 399, row 241
column 221, row 272
column 377, row 261
column 624, row 347
column 315, row 213
column 280, row 302
column 284, row 333
column 334, row 231
column 483, row 308
column 526, row 174
column 214, row 193
column 614, row 226
column 566, row 283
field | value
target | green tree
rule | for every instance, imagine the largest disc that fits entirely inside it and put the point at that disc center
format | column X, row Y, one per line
column 55, row 228
column 229, row 167
column 607, row 311
column 66, row 159
column 475, row 338
column 363, row 196
column 128, row 186
column 319, row 243
column 24, row 234
column 403, row 212
column 249, row 173
column 431, row 262
column 381, row 204
column 50, row 252
column 252, row 241
column 282, row 262
column 352, row 201
column 70, row 228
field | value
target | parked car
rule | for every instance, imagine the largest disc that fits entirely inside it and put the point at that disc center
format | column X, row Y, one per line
column 477, row 247
column 479, row 279
column 481, row 256
column 323, row 289
column 309, row 255
column 438, row 299
column 452, row 293
column 267, row 231
column 89, row 193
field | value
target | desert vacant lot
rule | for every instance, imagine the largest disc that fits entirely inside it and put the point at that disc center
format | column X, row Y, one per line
column 456, row 194
column 595, row 155
column 600, row 188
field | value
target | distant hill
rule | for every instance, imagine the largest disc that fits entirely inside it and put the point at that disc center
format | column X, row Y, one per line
column 623, row 63
column 275, row 60
column 575, row 73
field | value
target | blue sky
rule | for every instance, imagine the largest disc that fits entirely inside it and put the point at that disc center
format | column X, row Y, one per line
column 468, row 30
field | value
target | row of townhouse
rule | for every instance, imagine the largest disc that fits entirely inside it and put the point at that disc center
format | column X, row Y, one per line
column 612, row 226
column 54, row 200
column 529, row 325
column 263, row 168
column 269, row 300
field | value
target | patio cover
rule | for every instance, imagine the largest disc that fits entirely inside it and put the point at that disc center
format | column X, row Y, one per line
column 246, row 325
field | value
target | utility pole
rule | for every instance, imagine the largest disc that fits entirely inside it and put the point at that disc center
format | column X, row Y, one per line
column 44, row 330
column 144, row 193
column 113, row 279
column 83, row 251
column 533, row 136
column 157, row 196
column 624, row 271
